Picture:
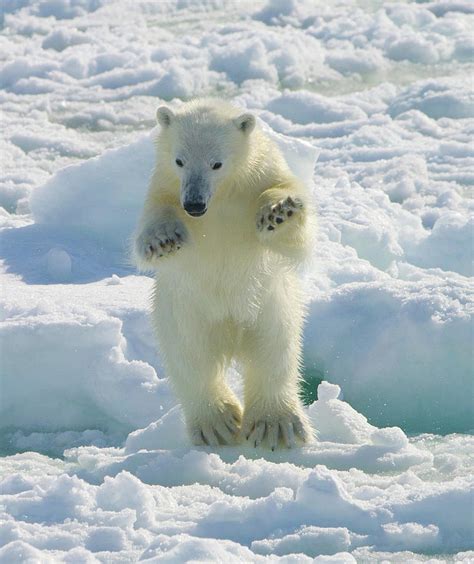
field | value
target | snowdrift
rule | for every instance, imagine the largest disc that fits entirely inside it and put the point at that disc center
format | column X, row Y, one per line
column 315, row 500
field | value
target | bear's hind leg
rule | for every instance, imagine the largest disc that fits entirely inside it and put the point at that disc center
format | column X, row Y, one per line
column 274, row 413
column 195, row 365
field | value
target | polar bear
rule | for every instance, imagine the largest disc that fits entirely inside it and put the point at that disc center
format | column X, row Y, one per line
column 225, row 224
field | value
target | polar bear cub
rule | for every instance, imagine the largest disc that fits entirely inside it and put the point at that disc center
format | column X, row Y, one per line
column 224, row 225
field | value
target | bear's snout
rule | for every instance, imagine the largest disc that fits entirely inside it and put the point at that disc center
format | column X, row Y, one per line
column 194, row 208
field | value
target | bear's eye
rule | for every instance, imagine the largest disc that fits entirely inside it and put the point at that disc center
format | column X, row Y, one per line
column 216, row 166
column 179, row 162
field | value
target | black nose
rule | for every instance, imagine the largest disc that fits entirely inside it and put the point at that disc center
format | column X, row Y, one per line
column 195, row 208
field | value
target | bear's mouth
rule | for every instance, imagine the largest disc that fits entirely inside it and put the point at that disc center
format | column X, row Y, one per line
column 195, row 209
column 196, row 214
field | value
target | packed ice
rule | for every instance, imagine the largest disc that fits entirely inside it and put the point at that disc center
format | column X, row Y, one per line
column 372, row 105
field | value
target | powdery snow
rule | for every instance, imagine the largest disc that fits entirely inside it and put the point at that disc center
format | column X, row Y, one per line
column 97, row 466
column 359, row 487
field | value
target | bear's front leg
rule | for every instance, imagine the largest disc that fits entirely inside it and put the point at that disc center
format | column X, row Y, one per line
column 274, row 415
column 274, row 216
column 283, row 224
column 160, row 238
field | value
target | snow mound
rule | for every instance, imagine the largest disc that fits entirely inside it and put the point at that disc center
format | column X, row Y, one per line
column 278, row 508
column 102, row 196
column 436, row 99
column 104, row 366
column 399, row 347
column 337, row 421
column 337, row 425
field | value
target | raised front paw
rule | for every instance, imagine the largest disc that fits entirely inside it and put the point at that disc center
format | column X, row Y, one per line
column 160, row 240
column 275, row 427
column 271, row 216
column 218, row 424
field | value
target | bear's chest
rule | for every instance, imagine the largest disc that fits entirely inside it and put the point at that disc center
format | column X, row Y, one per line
column 228, row 228
column 223, row 267
column 223, row 283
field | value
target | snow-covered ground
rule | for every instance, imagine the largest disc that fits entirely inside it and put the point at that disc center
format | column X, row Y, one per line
column 96, row 466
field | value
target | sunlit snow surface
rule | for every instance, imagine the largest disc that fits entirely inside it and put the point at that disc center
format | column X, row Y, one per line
column 97, row 467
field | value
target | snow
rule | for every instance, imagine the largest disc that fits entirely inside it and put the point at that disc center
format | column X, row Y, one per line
column 371, row 104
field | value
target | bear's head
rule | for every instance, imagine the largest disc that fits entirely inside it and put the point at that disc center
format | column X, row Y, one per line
column 202, row 144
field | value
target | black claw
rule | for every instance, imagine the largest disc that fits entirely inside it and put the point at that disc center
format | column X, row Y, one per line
column 273, row 448
column 289, row 213
column 255, row 444
column 270, row 228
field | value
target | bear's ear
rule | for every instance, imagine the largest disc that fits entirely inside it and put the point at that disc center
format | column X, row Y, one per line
column 245, row 123
column 164, row 116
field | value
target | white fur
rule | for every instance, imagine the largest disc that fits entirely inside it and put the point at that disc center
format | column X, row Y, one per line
column 226, row 285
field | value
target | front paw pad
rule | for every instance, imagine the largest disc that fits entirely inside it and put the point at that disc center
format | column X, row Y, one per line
column 271, row 216
column 160, row 241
